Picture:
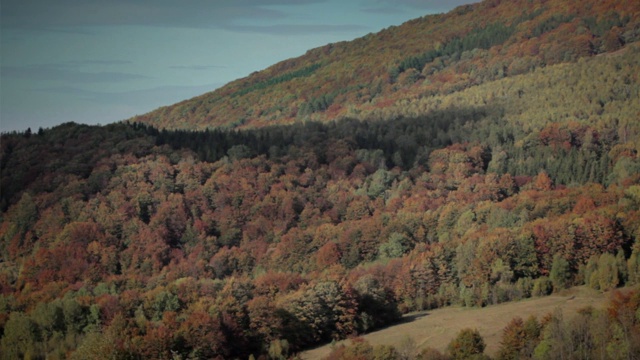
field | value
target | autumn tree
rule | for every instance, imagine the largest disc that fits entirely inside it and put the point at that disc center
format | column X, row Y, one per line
column 467, row 344
column 560, row 274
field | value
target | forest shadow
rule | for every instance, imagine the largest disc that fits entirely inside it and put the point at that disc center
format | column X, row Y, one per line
column 409, row 318
column 403, row 141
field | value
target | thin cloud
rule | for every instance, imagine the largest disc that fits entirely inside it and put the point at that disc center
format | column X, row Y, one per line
column 68, row 90
column 432, row 6
column 101, row 62
column 196, row 67
column 383, row 10
column 298, row 29
column 74, row 64
column 47, row 14
column 149, row 98
column 54, row 73
column 425, row 4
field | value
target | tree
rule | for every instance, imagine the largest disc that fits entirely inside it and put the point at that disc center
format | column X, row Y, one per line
column 555, row 340
column 20, row 337
column 532, row 329
column 328, row 309
column 542, row 182
column 519, row 338
column 50, row 319
column 560, row 274
column 278, row 349
column 379, row 182
column 162, row 301
column 75, row 315
column 432, row 354
column 328, row 254
column 607, row 274
column 205, row 336
column 263, row 319
column 407, row 349
column 466, row 345
column 95, row 346
column 633, row 267
column 395, row 247
column 623, row 310
column 542, row 286
column 375, row 303
column 359, row 349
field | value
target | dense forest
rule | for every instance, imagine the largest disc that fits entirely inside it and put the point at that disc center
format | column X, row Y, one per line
column 161, row 238
column 432, row 55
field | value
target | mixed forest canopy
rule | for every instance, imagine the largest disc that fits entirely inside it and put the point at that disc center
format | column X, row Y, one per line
column 433, row 55
column 486, row 163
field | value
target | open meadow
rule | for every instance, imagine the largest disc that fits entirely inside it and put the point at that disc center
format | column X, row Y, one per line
column 436, row 328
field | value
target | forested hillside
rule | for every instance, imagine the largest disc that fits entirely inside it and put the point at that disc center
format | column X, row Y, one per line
column 433, row 55
column 133, row 241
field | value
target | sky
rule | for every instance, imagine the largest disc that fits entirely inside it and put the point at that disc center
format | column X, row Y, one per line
column 100, row 61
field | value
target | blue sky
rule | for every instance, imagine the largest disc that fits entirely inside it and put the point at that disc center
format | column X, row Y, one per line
column 97, row 61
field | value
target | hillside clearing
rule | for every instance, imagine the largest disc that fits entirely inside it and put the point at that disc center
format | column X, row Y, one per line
column 437, row 327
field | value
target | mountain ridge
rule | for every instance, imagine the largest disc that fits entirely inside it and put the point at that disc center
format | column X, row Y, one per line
column 481, row 178
column 430, row 55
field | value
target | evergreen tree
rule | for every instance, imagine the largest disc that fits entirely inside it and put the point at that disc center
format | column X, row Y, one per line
column 560, row 273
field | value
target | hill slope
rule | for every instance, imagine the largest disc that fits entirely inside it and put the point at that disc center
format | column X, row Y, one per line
column 126, row 241
column 121, row 240
column 437, row 54
column 435, row 329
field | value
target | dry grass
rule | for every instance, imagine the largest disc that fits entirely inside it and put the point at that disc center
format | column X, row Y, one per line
column 436, row 328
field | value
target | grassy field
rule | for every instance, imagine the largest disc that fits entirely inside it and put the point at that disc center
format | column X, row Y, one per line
column 436, row 328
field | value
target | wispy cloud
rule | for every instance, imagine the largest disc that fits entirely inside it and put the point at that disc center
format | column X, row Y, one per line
column 404, row 6
column 47, row 14
column 100, row 62
column 63, row 74
column 423, row 4
column 384, row 10
column 151, row 97
column 197, row 67
column 297, row 29
column 76, row 64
